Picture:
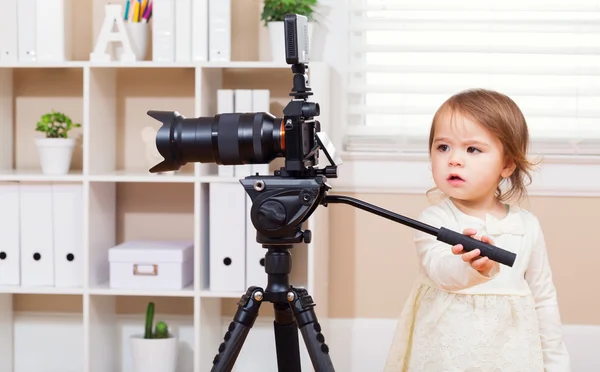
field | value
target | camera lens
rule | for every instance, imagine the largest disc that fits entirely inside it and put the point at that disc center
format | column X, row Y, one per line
column 228, row 139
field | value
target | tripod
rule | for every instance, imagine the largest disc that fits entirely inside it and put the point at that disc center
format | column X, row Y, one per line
column 293, row 310
column 280, row 206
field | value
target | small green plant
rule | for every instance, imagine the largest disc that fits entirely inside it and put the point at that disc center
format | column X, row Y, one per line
column 56, row 125
column 275, row 10
column 161, row 330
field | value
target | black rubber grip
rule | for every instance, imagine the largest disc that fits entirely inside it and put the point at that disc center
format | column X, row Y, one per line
column 492, row 252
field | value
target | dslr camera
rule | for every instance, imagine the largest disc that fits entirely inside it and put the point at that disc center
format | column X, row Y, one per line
column 260, row 138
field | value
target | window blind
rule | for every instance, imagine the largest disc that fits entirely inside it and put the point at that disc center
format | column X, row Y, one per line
column 407, row 57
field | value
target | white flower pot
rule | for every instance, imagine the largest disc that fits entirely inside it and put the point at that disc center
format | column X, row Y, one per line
column 277, row 40
column 55, row 154
column 153, row 354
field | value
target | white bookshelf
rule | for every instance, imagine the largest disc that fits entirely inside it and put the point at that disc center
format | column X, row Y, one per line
column 124, row 201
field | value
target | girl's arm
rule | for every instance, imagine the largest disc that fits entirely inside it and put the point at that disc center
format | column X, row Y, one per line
column 539, row 277
column 442, row 266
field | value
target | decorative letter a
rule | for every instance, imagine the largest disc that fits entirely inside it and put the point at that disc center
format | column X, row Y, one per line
column 112, row 17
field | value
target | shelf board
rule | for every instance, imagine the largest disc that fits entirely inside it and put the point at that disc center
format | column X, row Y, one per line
column 245, row 64
column 105, row 290
column 224, row 179
column 40, row 290
column 150, row 64
column 141, row 176
column 60, row 64
column 114, row 176
column 219, row 294
column 147, row 64
column 38, row 176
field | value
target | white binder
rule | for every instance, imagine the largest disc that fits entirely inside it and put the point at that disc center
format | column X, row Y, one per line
column 261, row 100
column 67, row 222
column 183, row 30
column 219, row 26
column 53, row 35
column 8, row 32
column 26, row 26
column 163, row 30
column 243, row 100
column 225, row 101
column 227, row 270
column 37, row 257
column 199, row 33
column 10, row 261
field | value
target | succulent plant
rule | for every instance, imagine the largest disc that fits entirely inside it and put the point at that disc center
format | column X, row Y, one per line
column 160, row 331
column 56, row 125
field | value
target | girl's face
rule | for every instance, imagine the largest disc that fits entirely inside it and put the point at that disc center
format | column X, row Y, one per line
column 467, row 159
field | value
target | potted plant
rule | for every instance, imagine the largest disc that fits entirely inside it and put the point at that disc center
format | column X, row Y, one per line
column 272, row 16
column 156, row 349
column 56, row 147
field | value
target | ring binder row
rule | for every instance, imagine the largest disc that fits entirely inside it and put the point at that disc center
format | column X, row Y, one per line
column 243, row 100
column 25, row 37
column 191, row 30
column 235, row 259
column 41, row 230
column 180, row 30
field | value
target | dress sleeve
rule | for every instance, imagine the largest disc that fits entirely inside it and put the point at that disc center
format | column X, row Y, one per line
column 539, row 278
column 446, row 269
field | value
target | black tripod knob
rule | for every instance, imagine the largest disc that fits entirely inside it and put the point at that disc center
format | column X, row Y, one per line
column 271, row 214
column 307, row 236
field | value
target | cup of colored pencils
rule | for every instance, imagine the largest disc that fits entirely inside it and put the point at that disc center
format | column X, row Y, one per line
column 137, row 15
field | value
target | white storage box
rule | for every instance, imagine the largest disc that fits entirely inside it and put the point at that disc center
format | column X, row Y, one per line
column 151, row 265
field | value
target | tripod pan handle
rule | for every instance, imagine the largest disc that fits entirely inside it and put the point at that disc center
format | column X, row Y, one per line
column 492, row 252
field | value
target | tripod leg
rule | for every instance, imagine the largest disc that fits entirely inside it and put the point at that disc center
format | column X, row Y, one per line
column 238, row 330
column 302, row 306
column 286, row 339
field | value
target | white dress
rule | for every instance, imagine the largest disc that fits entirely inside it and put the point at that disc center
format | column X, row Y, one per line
column 456, row 319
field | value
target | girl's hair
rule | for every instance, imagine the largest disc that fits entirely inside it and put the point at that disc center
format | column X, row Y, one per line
column 503, row 118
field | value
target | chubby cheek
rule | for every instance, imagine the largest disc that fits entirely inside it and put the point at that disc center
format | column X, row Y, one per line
column 438, row 171
column 487, row 175
column 494, row 177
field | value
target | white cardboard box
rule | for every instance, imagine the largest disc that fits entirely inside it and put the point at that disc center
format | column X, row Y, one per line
column 151, row 265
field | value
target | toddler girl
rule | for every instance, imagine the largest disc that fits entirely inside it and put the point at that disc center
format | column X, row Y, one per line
column 466, row 312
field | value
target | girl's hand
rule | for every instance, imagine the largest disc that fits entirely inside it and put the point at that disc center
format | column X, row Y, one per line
column 480, row 263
